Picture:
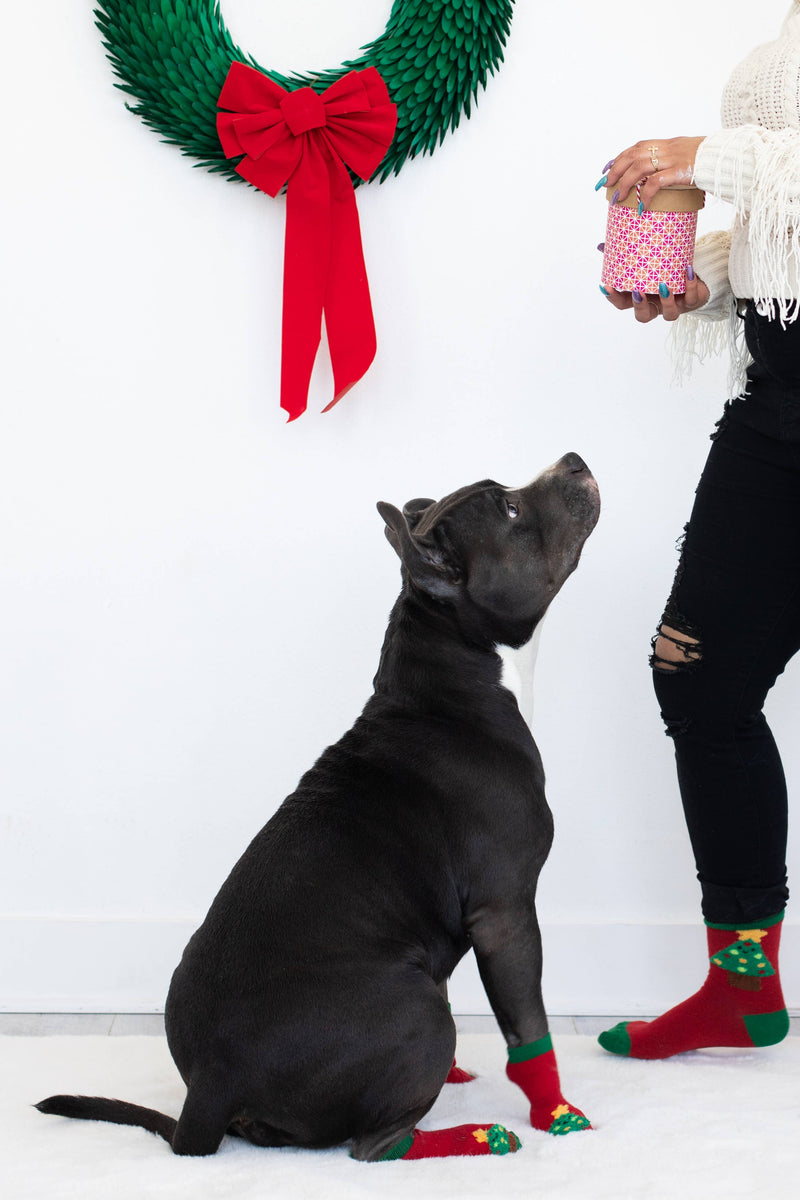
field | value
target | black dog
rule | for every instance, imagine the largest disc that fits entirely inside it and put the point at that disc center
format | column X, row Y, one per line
column 309, row 1008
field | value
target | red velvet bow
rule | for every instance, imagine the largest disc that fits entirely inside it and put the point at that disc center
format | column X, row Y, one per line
column 309, row 140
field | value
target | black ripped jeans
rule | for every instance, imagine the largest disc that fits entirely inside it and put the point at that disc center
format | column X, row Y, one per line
column 737, row 591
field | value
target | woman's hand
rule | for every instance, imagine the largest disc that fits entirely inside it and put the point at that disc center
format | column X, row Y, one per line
column 668, row 162
column 665, row 304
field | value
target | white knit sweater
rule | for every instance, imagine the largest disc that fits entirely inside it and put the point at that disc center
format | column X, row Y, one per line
column 754, row 163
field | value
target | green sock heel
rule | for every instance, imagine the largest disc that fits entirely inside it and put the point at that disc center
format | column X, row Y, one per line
column 767, row 1029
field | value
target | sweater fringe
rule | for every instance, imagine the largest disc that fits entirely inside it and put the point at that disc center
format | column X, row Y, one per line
column 695, row 338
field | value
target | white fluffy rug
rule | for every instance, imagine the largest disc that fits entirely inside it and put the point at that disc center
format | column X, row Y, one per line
column 711, row 1125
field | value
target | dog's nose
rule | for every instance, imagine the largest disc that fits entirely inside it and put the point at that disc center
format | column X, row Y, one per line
column 573, row 463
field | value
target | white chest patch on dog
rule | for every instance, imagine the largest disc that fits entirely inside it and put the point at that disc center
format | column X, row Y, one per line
column 517, row 672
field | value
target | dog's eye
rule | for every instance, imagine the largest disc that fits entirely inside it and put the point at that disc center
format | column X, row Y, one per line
column 513, row 511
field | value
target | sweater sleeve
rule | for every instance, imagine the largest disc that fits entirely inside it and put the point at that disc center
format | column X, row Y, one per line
column 711, row 265
column 757, row 170
column 737, row 164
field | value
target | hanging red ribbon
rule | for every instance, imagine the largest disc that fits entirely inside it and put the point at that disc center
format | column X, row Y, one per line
column 308, row 141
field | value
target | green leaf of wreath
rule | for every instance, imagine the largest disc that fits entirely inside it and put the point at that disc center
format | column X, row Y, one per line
column 173, row 56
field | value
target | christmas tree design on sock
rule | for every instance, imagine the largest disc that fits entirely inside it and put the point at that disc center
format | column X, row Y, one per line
column 745, row 961
column 740, row 1004
column 456, row 1142
column 533, row 1067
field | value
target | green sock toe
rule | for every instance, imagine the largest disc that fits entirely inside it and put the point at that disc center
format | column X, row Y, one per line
column 616, row 1040
column 568, row 1122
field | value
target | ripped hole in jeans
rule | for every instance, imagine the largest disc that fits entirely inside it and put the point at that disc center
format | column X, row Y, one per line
column 675, row 648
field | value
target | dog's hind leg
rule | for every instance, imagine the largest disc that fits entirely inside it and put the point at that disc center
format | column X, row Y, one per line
column 375, row 1147
column 418, row 1069
column 203, row 1122
column 459, row 1141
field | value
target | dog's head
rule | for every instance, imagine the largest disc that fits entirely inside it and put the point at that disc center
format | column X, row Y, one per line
column 498, row 555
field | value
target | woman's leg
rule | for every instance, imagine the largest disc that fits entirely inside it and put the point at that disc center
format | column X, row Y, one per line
column 731, row 624
column 735, row 608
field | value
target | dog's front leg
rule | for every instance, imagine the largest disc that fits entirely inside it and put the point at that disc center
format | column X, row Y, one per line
column 508, row 948
column 455, row 1074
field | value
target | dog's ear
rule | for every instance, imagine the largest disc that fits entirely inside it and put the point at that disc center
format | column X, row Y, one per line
column 414, row 510
column 423, row 559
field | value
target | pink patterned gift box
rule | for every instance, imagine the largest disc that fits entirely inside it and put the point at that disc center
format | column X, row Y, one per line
column 647, row 249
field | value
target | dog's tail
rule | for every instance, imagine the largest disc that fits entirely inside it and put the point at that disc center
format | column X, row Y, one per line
column 97, row 1108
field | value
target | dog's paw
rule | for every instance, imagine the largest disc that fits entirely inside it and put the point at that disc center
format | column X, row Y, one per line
column 563, row 1119
column 456, row 1075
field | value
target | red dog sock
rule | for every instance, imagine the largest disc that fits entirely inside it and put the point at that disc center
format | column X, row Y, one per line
column 455, row 1142
column 740, row 1004
column 456, row 1075
column 533, row 1067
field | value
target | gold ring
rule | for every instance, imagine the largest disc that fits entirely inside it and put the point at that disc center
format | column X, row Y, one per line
column 653, row 158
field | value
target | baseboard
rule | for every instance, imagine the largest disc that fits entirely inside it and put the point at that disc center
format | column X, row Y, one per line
column 53, row 964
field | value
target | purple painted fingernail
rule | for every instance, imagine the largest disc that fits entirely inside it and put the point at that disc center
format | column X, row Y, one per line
column 601, row 246
column 637, row 297
column 615, row 197
column 690, row 273
column 608, row 166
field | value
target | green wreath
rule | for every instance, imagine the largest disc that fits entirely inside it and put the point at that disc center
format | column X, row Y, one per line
column 173, row 57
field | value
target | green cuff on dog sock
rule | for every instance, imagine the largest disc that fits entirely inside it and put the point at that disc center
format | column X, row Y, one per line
column 518, row 1054
column 399, row 1150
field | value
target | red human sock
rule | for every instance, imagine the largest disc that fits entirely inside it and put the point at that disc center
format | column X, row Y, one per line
column 456, row 1142
column 740, row 1004
column 533, row 1067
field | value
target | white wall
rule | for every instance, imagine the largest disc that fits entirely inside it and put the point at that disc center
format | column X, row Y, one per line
column 194, row 593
